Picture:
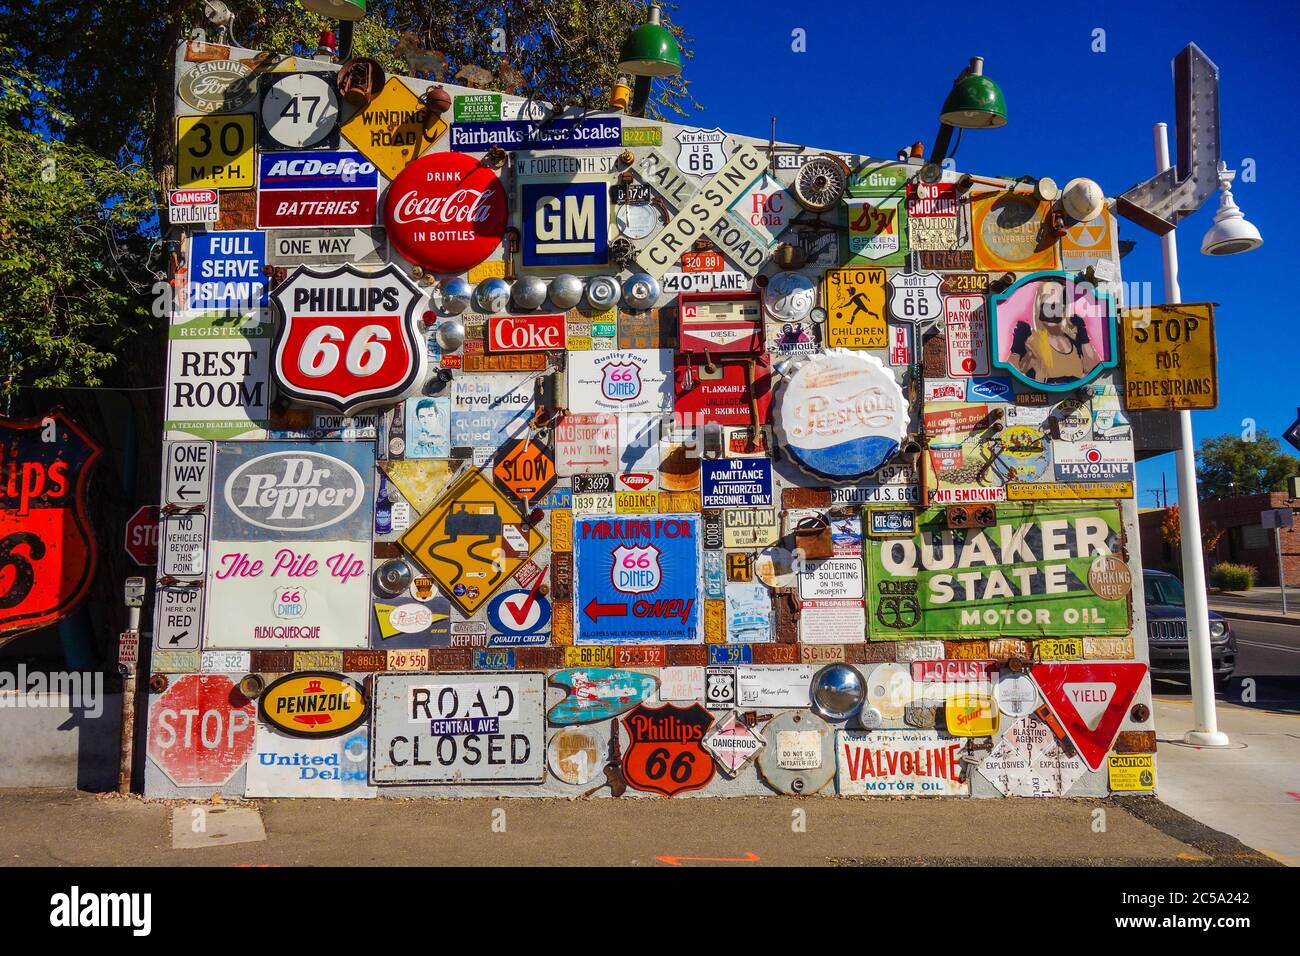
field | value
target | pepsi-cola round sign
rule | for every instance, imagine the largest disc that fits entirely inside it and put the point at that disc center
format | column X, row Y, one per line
column 446, row 212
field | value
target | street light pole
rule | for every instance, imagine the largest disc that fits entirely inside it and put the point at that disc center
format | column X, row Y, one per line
column 1206, row 733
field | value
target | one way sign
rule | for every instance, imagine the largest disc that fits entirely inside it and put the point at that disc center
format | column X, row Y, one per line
column 188, row 472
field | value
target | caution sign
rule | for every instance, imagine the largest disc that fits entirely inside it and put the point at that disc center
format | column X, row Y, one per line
column 1169, row 358
column 525, row 469
column 471, row 541
column 392, row 130
column 1133, row 773
column 215, row 151
column 855, row 308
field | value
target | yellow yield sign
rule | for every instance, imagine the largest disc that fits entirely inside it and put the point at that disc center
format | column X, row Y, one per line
column 394, row 129
column 471, row 541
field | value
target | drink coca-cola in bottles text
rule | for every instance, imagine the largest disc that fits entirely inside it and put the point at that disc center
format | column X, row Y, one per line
column 446, row 212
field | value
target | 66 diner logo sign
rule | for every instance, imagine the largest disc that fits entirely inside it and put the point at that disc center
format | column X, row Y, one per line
column 667, row 755
column 348, row 339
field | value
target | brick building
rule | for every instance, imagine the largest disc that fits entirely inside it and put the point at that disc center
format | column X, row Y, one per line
column 1244, row 540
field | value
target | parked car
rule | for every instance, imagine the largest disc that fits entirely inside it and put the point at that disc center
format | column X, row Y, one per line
column 1167, row 631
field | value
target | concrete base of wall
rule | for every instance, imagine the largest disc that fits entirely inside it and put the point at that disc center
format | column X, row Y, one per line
column 47, row 742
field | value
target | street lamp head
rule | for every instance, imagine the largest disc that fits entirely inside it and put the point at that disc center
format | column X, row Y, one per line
column 975, row 101
column 1231, row 232
column 650, row 49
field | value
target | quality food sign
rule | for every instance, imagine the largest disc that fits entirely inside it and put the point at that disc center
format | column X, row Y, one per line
column 1044, row 569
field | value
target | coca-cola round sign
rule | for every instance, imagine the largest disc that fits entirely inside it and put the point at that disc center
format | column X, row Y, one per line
column 446, row 212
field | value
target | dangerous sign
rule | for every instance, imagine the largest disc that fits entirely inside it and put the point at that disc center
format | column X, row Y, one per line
column 464, row 541
column 201, row 730
column 1090, row 701
column 1169, row 360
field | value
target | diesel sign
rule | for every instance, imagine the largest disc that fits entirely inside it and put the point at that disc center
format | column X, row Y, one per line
column 526, row 333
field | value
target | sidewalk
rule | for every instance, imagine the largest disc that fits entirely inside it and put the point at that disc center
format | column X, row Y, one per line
column 1250, row 790
column 1257, row 604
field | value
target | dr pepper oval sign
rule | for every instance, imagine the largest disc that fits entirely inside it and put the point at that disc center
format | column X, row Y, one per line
column 313, row 704
column 446, row 212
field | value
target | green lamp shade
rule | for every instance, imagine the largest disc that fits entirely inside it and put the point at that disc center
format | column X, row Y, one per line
column 337, row 9
column 975, row 103
column 650, row 50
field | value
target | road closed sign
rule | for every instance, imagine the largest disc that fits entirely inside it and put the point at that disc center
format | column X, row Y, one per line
column 1169, row 360
column 458, row 728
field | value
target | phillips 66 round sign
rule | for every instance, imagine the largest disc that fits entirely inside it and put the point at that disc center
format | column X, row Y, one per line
column 348, row 338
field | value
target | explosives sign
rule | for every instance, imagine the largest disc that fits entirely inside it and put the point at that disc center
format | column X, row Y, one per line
column 348, row 339
column 855, row 308
column 458, row 728
column 1028, row 761
column 462, row 541
column 192, row 205
column 1169, row 357
column 47, row 549
column 666, row 753
column 1026, row 576
column 393, row 129
column 201, row 730
column 215, row 151
column 638, row 580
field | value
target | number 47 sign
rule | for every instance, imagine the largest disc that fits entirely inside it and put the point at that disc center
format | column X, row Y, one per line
column 914, row 296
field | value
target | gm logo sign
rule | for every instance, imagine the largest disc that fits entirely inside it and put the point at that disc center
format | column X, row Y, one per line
column 565, row 224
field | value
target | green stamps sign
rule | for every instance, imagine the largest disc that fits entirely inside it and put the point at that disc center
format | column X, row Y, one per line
column 1042, row 569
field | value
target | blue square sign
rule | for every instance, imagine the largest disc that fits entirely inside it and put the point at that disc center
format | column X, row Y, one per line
column 565, row 223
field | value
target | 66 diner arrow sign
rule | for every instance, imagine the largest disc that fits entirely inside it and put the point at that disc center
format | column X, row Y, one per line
column 348, row 339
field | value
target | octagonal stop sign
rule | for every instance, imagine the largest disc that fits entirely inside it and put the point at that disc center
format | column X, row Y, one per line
column 201, row 730
column 142, row 536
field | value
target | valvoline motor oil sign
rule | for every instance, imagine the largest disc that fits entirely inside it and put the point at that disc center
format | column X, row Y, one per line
column 638, row 579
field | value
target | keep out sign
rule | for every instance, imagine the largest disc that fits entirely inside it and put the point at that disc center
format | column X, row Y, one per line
column 458, row 728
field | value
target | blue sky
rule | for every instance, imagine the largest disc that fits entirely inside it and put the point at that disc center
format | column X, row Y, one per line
column 874, row 76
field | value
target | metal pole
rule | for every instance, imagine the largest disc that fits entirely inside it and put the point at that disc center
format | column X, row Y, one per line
column 1206, row 732
column 1281, row 574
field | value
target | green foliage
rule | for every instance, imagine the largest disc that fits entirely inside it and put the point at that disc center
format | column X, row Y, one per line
column 72, row 224
column 1227, row 466
column 1233, row 577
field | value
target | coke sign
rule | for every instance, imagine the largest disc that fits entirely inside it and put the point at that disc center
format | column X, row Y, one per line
column 526, row 333
column 348, row 339
column 446, row 212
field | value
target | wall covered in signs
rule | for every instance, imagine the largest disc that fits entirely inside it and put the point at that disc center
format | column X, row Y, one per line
column 610, row 456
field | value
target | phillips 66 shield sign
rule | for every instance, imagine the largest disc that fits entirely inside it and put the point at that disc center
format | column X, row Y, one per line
column 348, row 338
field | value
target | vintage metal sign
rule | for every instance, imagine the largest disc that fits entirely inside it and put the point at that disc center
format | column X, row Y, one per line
column 458, row 728
column 601, row 133
column 586, row 444
column 737, row 482
column 312, row 704
column 575, row 754
column 525, row 468
column 323, row 247
column 914, row 296
column 471, row 541
column 732, row 744
column 720, row 324
column 598, row 693
column 225, row 273
column 47, row 548
column 831, row 606
column 284, row 766
column 348, row 339
column 1024, row 576
column 566, row 223
column 666, row 754
column 933, row 215
column 1090, row 701
column 316, row 189
column 855, row 308
column 446, row 212
column 841, row 415
column 290, row 551
column 299, row 110
column 201, row 730
column 1053, row 333
column 914, row 763
column 1010, row 234
column 638, row 580
column 215, row 151
column 1028, row 761
column 217, row 86
column 630, row 380
column 966, row 335
column 1169, row 357
column 217, row 385
column 393, row 129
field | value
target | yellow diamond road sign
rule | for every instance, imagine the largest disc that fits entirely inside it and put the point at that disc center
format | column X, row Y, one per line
column 390, row 132
column 471, row 541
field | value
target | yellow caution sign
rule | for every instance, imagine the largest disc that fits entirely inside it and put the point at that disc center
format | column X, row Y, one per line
column 855, row 308
column 471, row 541
column 215, row 151
column 1132, row 772
column 420, row 480
column 1169, row 360
column 393, row 129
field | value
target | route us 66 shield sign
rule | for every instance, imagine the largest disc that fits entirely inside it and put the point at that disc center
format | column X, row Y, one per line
column 347, row 338
column 914, row 296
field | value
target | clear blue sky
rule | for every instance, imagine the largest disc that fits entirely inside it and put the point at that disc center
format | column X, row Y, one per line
column 874, row 76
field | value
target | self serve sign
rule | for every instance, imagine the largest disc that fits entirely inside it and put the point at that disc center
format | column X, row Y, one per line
column 316, row 189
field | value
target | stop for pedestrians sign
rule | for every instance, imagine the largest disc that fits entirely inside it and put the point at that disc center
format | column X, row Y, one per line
column 201, row 730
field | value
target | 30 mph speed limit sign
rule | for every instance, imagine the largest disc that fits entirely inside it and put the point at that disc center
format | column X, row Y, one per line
column 299, row 110
column 215, row 151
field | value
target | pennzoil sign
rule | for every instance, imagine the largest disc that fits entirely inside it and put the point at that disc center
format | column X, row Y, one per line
column 47, row 552
column 313, row 704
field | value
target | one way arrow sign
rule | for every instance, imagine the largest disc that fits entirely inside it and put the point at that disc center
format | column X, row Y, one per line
column 1162, row 200
column 187, row 475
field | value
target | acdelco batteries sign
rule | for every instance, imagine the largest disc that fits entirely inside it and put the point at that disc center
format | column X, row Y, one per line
column 316, row 189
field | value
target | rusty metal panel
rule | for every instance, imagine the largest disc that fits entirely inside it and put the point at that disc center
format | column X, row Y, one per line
column 451, row 658
column 776, row 653
column 1108, row 648
column 1135, row 742
column 354, row 661
column 687, row 655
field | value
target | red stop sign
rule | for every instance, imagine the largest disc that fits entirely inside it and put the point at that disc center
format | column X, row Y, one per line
column 142, row 536
column 201, row 730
